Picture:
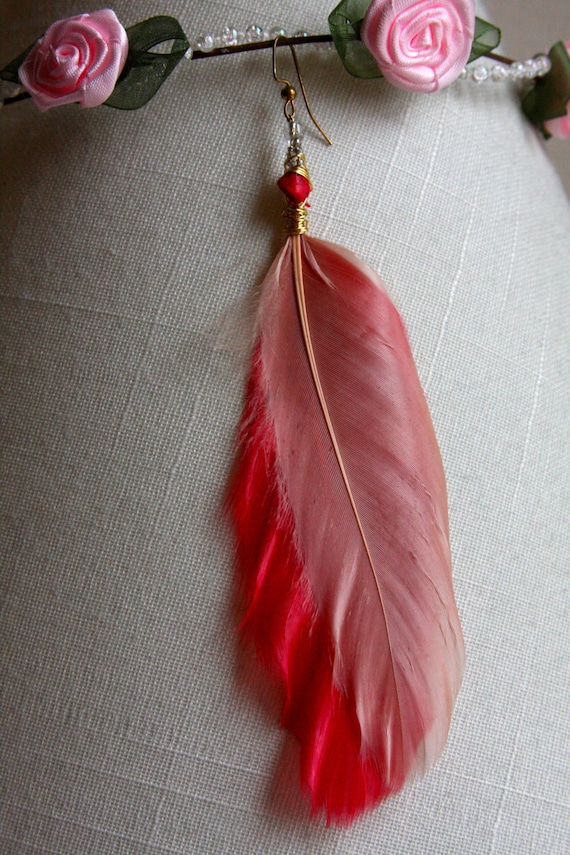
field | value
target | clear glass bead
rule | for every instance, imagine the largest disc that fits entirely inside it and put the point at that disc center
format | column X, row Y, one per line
column 300, row 34
column 205, row 43
column 531, row 67
column 10, row 90
column 517, row 70
column 296, row 129
column 463, row 74
column 544, row 65
column 480, row 73
column 229, row 36
column 276, row 31
column 253, row 33
column 499, row 73
column 294, row 135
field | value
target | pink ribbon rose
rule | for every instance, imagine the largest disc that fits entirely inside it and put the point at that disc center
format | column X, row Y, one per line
column 78, row 59
column 420, row 46
column 560, row 127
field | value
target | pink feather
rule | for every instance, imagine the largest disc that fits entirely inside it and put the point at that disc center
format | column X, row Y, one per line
column 342, row 539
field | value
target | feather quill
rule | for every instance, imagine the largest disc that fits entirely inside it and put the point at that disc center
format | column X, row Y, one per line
column 340, row 510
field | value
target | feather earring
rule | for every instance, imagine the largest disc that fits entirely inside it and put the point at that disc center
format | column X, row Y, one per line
column 340, row 512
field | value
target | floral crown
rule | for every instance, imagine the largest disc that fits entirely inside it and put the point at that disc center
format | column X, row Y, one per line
column 417, row 45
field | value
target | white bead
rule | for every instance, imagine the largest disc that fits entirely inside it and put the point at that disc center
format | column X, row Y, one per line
column 205, row 43
column 499, row 73
column 229, row 36
column 517, row 71
column 253, row 33
column 463, row 74
column 480, row 73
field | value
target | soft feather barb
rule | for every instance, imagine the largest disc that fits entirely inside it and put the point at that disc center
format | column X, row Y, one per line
column 340, row 512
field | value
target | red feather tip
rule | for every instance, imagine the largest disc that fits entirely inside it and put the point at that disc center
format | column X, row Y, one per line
column 290, row 638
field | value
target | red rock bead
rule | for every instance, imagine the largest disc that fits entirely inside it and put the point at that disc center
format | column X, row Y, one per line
column 295, row 187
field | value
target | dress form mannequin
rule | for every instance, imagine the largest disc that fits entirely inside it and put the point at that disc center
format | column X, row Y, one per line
column 131, row 723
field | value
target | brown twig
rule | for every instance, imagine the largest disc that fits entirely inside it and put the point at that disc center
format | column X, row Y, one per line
column 266, row 45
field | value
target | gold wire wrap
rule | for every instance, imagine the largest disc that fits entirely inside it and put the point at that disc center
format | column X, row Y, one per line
column 297, row 162
column 296, row 219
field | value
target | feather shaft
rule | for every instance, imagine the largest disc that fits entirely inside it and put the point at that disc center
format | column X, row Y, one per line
column 300, row 294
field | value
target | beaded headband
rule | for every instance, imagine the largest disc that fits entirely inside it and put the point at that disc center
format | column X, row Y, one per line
column 421, row 47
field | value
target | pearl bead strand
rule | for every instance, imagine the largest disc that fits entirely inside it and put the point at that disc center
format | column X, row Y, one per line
column 536, row 67
column 230, row 36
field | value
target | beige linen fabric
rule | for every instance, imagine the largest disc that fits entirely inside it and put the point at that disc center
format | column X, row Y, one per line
column 131, row 723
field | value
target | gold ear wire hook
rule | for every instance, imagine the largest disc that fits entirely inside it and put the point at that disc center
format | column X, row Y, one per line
column 288, row 92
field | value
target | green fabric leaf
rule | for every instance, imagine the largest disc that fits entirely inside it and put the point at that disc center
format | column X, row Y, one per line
column 549, row 97
column 486, row 38
column 344, row 23
column 10, row 73
column 145, row 71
